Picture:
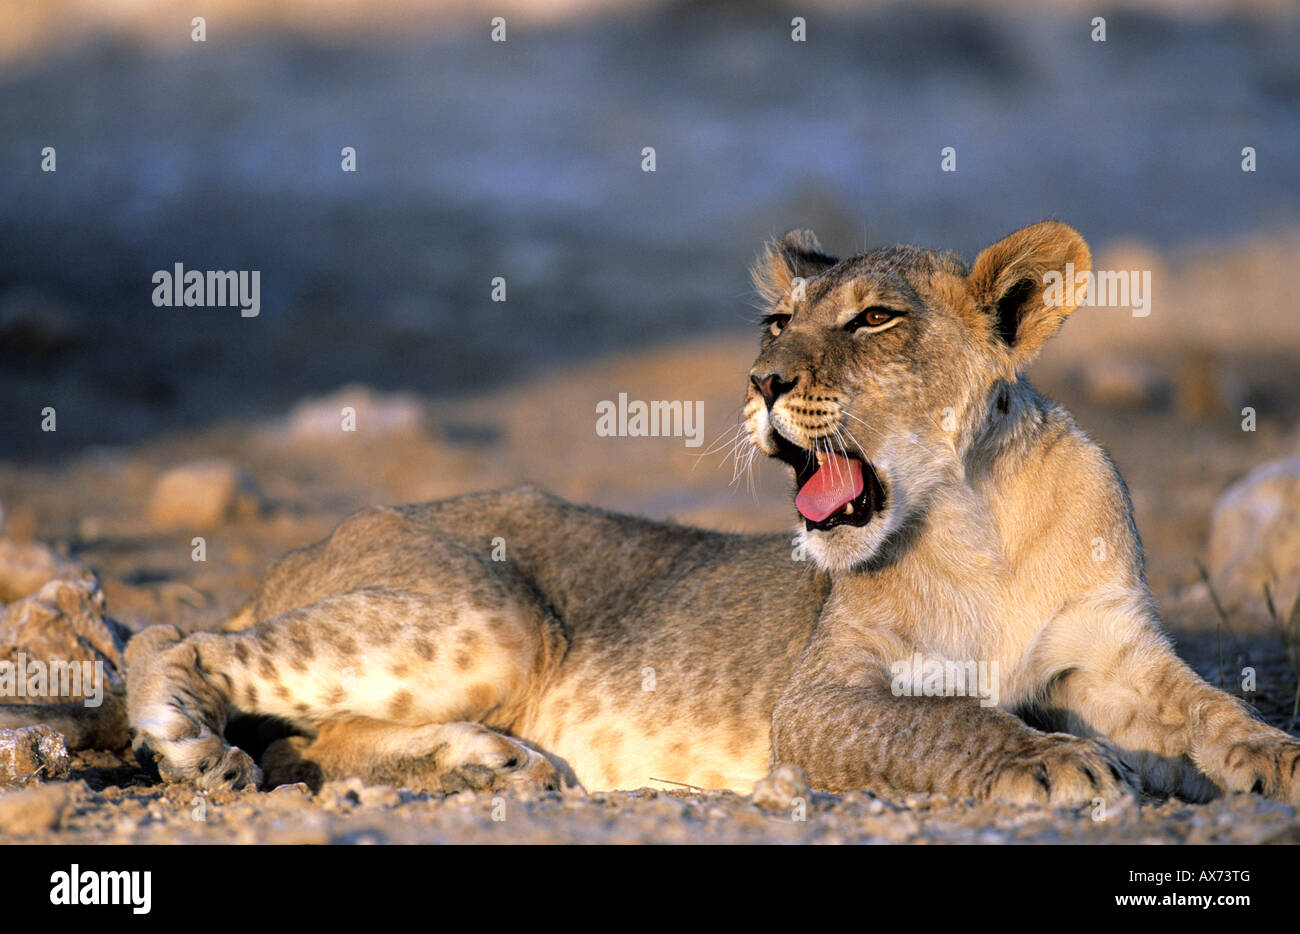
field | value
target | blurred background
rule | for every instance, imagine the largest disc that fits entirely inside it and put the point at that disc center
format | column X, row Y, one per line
column 477, row 159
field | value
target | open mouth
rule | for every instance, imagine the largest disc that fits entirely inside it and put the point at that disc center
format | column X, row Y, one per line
column 833, row 488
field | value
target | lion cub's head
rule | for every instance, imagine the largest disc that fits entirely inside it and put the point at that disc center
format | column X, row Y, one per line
column 879, row 374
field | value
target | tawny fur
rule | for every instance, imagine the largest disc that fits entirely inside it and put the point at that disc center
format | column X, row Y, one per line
column 618, row 652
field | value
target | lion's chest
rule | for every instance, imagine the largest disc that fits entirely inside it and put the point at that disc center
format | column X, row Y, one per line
column 947, row 626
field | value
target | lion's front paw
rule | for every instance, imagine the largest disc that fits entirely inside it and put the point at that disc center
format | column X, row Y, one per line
column 222, row 768
column 205, row 761
column 1268, row 765
column 1065, row 771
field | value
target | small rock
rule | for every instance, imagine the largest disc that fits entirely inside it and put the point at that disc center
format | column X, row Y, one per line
column 292, row 790
column 33, row 752
column 78, row 652
column 1255, row 539
column 202, row 495
column 777, row 790
column 353, row 411
column 32, row 810
column 341, row 794
column 63, row 620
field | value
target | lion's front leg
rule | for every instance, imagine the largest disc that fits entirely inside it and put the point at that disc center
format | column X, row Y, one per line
column 1121, row 680
column 861, row 736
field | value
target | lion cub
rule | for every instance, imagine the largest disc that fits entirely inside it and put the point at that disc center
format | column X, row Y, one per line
column 952, row 517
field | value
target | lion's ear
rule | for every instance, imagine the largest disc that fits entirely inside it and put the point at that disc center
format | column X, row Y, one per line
column 1017, row 283
column 797, row 254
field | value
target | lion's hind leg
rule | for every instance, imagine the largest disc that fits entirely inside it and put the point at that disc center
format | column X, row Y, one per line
column 437, row 757
column 428, row 669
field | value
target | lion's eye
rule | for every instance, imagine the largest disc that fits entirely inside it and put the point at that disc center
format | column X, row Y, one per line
column 874, row 317
column 776, row 323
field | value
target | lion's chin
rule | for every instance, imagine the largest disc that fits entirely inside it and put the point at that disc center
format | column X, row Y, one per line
column 843, row 548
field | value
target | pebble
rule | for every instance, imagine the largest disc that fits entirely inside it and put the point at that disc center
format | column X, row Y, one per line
column 777, row 790
column 292, row 790
column 33, row 753
column 202, row 495
column 353, row 411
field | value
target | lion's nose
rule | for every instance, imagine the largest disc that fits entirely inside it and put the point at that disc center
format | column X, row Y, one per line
column 771, row 387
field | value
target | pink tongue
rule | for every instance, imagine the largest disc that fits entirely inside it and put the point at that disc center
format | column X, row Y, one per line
column 836, row 482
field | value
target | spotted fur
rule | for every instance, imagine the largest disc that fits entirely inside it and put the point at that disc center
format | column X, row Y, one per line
column 619, row 652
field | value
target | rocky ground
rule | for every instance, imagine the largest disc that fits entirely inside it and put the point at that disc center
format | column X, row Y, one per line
column 130, row 811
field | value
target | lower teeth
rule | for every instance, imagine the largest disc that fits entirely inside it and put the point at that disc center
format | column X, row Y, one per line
column 848, row 510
